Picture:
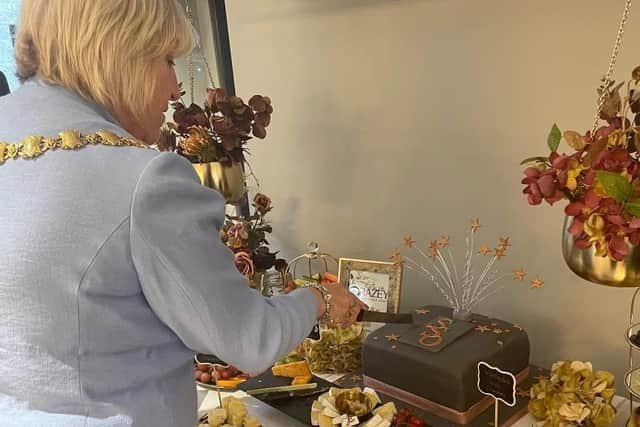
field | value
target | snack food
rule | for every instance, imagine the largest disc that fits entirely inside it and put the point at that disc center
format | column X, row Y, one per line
column 337, row 407
column 233, row 413
column 221, row 376
column 337, row 351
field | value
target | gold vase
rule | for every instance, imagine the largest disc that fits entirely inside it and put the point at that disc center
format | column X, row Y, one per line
column 228, row 180
column 601, row 270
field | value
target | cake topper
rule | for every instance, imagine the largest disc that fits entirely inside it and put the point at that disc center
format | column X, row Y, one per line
column 463, row 288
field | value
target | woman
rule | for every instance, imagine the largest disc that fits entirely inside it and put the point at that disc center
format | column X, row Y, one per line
column 112, row 273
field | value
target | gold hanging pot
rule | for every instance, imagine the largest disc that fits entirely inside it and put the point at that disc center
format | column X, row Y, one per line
column 601, row 270
column 228, row 180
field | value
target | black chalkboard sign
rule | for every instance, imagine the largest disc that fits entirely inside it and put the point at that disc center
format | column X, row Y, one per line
column 497, row 383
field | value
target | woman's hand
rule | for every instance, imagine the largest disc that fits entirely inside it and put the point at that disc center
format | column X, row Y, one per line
column 344, row 307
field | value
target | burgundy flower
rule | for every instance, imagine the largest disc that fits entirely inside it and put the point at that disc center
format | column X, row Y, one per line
column 262, row 203
column 261, row 104
column 617, row 247
column 185, row 118
column 545, row 185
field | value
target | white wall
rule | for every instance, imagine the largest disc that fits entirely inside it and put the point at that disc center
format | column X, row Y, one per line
column 395, row 117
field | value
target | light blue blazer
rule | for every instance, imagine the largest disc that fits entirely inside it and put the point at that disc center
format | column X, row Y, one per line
column 112, row 274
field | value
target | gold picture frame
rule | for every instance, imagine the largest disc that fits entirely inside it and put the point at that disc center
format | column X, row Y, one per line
column 372, row 282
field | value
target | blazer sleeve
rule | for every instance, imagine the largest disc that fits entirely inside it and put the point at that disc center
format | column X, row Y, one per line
column 189, row 278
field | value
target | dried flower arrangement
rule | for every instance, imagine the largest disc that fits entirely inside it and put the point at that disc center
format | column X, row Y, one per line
column 573, row 396
column 462, row 289
column 219, row 132
column 246, row 236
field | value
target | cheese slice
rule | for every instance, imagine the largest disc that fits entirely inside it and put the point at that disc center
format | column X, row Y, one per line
column 373, row 397
column 329, row 412
column 386, row 411
column 374, row 421
column 324, row 421
column 292, row 370
column 328, row 402
column 346, row 421
column 301, row 380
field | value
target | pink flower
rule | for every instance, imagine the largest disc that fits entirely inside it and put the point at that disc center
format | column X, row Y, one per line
column 239, row 231
column 244, row 264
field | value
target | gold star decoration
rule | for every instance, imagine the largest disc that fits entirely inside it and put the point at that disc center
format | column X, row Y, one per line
column 484, row 249
column 396, row 257
column 392, row 337
column 519, row 274
column 475, row 224
column 444, row 241
column 536, row 283
column 500, row 253
column 433, row 249
column 504, row 242
column 498, row 331
column 408, row 241
column 482, row 328
column 422, row 311
column 500, row 342
column 393, row 347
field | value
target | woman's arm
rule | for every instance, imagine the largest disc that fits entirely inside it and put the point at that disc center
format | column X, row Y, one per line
column 189, row 278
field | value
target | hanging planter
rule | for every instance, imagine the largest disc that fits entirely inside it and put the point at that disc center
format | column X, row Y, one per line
column 599, row 174
column 228, row 180
column 598, row 269
column 214, row 136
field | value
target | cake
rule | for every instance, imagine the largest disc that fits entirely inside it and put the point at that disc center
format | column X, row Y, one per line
column 432, row 363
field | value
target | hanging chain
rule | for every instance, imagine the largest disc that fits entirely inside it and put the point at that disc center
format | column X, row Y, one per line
column 190, row 59
column 206, row 64
column 191, row 66
column 612, row 63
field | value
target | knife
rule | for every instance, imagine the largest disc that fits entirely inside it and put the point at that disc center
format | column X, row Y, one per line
column 280, row 395
column 309, row 386
column 380, row 317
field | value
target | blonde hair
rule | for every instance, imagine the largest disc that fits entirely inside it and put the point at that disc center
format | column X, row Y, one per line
column 103, row 50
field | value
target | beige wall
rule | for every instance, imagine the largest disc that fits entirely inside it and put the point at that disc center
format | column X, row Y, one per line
column 396, row 117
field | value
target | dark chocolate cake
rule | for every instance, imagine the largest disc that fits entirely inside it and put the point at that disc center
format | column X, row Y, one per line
column 432, row 363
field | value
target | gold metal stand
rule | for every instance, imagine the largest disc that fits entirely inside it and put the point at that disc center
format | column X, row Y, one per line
column 632, row 346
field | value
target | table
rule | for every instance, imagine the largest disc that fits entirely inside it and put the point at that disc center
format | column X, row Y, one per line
column 271, row 417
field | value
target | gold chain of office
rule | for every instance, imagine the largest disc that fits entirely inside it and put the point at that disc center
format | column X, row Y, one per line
column 35, row 146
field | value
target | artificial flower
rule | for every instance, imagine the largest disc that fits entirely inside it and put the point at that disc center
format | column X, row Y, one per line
column 244, row 264
column 262, row 203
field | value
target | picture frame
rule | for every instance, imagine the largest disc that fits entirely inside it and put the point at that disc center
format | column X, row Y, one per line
column 377, row 283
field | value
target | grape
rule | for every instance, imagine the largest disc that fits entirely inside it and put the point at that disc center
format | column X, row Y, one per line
column 205, row 378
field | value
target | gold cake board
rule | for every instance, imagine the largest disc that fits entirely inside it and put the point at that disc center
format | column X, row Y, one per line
column 439, row 410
